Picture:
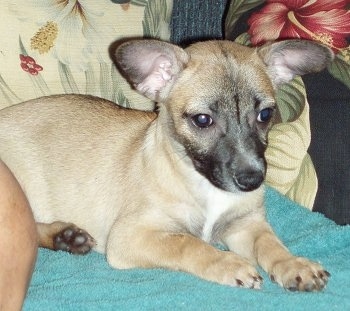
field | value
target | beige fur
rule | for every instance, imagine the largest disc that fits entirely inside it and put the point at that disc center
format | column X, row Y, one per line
column 127, row 178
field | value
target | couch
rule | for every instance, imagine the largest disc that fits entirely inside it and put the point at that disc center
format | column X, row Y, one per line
column 51, row 47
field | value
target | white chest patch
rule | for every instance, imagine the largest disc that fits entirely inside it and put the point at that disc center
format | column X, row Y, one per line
column 218, row 202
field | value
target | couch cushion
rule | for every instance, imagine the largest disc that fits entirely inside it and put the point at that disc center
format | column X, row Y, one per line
column 53, row 47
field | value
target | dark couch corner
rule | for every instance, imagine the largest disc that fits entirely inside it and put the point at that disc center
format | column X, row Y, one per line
column 330, row 145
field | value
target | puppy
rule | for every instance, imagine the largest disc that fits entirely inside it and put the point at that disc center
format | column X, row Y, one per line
column 159, row 189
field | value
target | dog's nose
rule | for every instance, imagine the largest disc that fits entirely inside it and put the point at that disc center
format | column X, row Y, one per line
column 249, row 180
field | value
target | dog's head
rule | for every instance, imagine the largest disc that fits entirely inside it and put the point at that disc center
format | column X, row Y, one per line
column 216, row 98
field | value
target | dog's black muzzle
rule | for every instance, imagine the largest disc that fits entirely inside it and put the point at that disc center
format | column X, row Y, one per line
column 248, row 180
column 229, row 177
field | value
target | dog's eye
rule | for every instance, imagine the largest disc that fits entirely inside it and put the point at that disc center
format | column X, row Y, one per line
column 265, row 115
column 202, row 120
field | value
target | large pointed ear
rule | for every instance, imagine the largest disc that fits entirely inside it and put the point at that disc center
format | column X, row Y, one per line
column 151, row 66
column 286, row 59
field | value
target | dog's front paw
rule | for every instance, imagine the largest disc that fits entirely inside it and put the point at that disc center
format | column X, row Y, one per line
column 299, row 274
column 233, row 270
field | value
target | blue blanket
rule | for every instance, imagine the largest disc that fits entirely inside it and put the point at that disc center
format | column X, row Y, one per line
column 65, row 282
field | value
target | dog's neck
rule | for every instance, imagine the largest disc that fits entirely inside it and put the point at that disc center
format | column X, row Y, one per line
column 205, row 209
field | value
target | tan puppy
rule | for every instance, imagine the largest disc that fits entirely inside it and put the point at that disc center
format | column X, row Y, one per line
column 157, row 189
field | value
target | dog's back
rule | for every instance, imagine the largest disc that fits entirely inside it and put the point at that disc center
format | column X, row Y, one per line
column 54, row 145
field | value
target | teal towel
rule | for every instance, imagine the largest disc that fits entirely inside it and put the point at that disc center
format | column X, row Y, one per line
column 65, row 282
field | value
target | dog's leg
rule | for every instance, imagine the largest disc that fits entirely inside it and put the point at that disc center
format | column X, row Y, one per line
column 64, row 236
column 184, row 252
column 257, row 242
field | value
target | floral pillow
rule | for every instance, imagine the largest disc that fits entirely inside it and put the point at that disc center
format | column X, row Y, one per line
column 50, row 47
column 290, row 168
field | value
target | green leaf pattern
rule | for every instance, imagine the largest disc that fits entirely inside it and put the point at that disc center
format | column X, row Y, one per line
column 340, row 68
column 291, row 100
column 67, row 79
column 290, row 169
column 157, row 18
column 235, row 11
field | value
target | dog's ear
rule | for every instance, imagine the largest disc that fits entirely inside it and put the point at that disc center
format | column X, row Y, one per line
column 286, row 59
column 151, row 66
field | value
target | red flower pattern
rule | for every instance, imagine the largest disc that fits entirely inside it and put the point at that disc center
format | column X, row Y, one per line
column 326, row 21
column 29, row 65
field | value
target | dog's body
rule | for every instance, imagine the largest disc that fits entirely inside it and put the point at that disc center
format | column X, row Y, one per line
column 156, row 189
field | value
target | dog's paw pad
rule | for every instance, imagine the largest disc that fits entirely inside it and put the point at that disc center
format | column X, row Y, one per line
column 73, row 240
column 307, row 284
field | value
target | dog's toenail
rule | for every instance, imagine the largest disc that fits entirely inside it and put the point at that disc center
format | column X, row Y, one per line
column 239, row 282
column 257, row 278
